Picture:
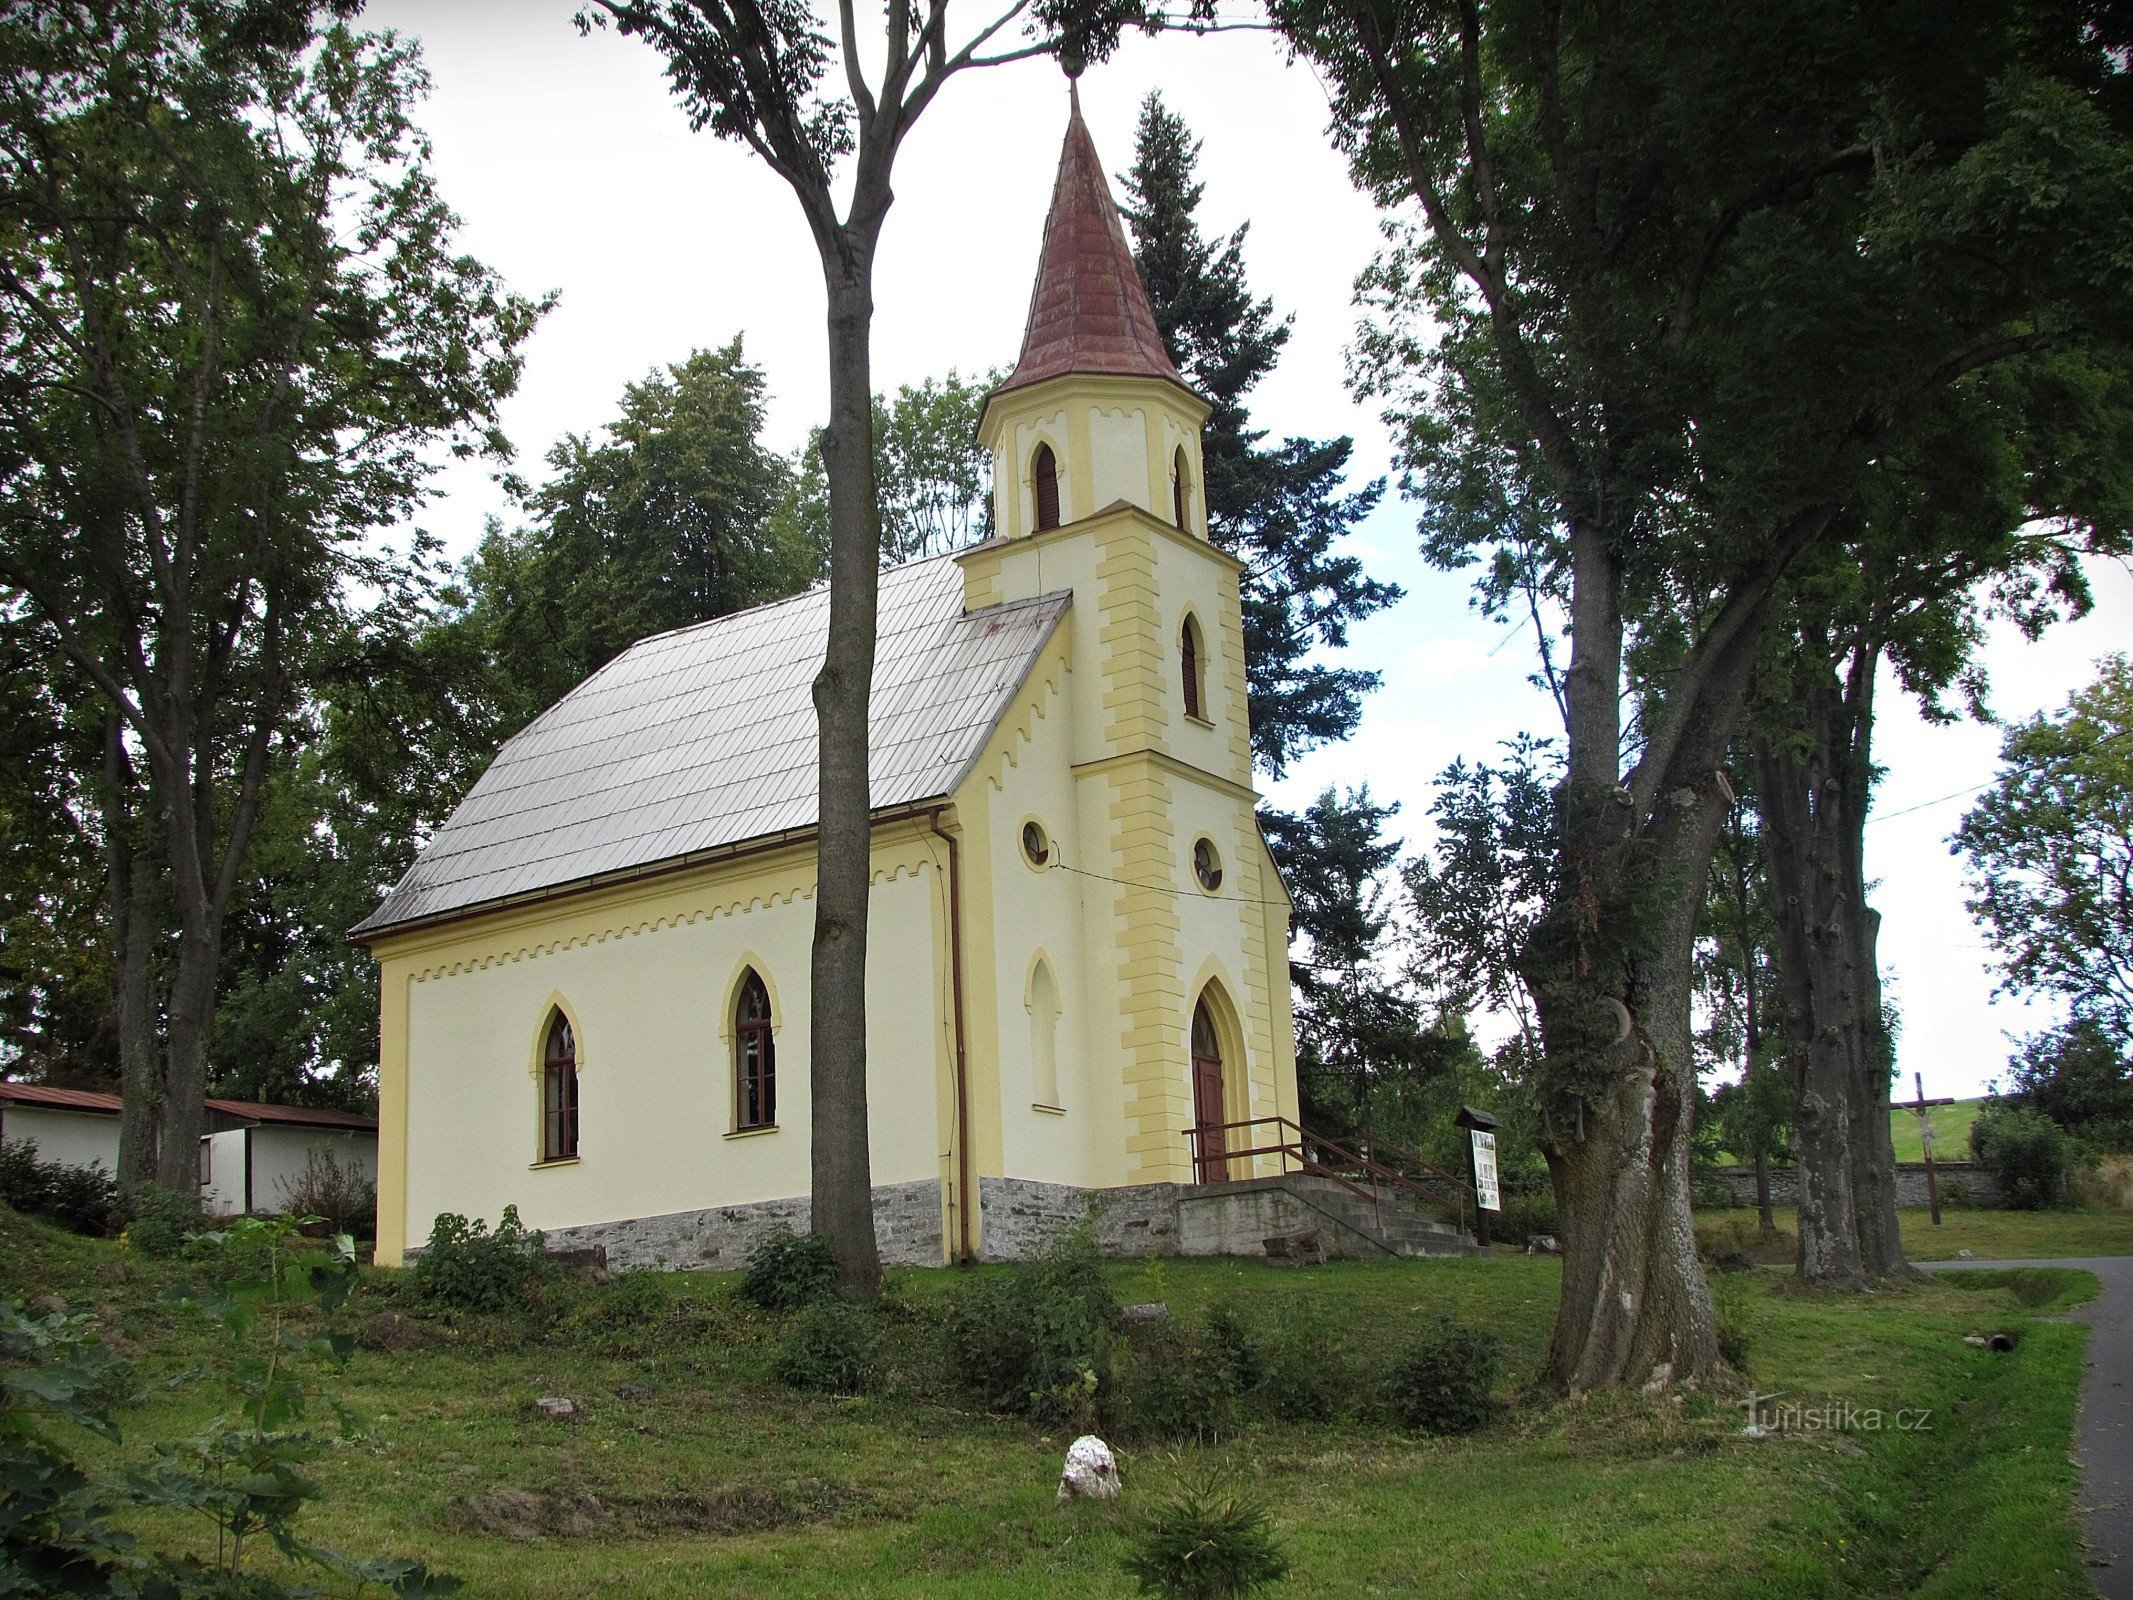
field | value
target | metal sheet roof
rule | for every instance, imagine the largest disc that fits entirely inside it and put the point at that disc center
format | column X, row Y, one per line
column 40, row 1094
column 705, row 738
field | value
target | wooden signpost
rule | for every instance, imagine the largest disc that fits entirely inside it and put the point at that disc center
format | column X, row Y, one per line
column 1923, row 1107
column 1481, row 1157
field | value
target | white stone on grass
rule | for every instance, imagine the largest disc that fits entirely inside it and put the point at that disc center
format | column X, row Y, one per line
column 1091, row 1471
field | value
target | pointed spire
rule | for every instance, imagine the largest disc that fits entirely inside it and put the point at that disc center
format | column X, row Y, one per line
column 1089, row 312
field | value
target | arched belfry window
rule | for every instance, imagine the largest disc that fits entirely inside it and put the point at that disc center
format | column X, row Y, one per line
column 559, row 1091
column 1044, row 478
column 1177, row 487
column 1189, row 654
column 755, row 1071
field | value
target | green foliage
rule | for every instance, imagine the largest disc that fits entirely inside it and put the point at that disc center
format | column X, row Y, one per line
column 468, row 1268
column 1731, row 1300
column 789, row 1270
column 2028, row 1152
column 1310, row 1370
column 247, row 1472
column 1035, row 1340
column 1180, row 1379
column 1280, row 509
column 1527, row 1214
column 1442, row 1381
column 2080, row 1076
column 1206, row 1541
column 1359, row 1034
column 80, row 1199
column 333, row 1190
column 830, row 1348
column 2050, row 849
column 161, row 1220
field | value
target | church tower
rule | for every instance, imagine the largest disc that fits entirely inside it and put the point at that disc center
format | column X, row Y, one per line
column 1097, row 491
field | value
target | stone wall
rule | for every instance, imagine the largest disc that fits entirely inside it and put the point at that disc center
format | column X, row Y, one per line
column 907, row 1228
column 1961, row 1182
column 1020, row 1218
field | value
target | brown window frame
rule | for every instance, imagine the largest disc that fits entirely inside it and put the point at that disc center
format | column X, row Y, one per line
column 559, row 1091
column 1189, row 664
column 1044, row 481
column 1177, row 488
column 755, row 1058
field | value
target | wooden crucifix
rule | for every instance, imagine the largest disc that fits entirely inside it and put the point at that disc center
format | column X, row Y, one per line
column 1924, row 1108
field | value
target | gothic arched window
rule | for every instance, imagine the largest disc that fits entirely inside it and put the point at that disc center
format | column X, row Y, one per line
column 755, row 1072
column 559, row 1091
column 1189, row 666
column 1044, row 476
column 1177, row 487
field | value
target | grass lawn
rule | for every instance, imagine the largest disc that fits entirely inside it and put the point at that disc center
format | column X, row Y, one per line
column 1951, row 1131
column 1987, row 1235
column 691, row 1473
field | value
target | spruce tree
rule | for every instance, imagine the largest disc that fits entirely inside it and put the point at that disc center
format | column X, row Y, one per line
column 1279, row 508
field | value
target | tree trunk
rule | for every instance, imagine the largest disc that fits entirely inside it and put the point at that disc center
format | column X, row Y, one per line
column 1764, row 1216
column 190, row 1019
column 129, row 884
column 1609, row 971
column 842, row 1184
column 1812, row 785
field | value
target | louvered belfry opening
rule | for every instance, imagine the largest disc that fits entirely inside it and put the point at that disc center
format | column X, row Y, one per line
column 1044, row 476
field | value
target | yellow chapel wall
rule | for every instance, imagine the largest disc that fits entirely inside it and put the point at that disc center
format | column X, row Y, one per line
column 648, row 974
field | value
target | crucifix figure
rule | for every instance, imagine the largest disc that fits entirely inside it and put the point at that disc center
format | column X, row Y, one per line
column 1923, row 1107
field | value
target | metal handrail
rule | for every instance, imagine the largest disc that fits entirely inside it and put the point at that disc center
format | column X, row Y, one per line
column 1310, row 1151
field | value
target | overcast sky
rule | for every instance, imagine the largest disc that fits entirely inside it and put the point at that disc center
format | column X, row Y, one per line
column 575, row 171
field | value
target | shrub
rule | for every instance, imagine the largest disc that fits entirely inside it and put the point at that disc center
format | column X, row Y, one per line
column 1526, row 1216
column 1729, row 1304
column 160, row 1220
column 620, row 1313
column 789, row 1270
column 2026, row 1151
column 467, row 1267
column 334, row 1191
column 1173, row 1380
column 79, row 1199
column 1441, row 1382
column 1207, row 1542
column 1309, row 1371
column 1034, row 1339
column 831, row 1348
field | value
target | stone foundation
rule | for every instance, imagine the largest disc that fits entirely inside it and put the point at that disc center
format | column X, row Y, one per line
column 907, row 1229
column 1961, row 1182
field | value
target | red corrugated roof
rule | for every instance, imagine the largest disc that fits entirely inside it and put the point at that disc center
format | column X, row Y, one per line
column 300, row 1116
column 1089, row 311
column 39, row 1094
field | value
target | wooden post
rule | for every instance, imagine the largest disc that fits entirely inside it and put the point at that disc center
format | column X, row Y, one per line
column 1923, row 1106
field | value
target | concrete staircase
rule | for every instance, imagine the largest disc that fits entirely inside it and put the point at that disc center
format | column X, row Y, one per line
column 1298, row 1215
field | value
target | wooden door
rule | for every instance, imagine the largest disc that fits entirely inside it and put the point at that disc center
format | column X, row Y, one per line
column 1211, row 1156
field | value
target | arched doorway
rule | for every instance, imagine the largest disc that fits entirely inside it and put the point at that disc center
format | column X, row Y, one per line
column 1209, row 1114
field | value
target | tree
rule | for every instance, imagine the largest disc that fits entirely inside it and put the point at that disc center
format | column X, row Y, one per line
column 235, row 334
column 757, row 71
column 1738, row 989
column 1357, row 1026
column 2050, row 855
column 2082, row 1078
column 1278, row 509
column 1681, row 276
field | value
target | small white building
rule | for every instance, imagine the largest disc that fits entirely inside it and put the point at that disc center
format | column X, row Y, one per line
column 250, row 1157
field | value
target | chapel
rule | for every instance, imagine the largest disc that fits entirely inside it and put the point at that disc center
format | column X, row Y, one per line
column 594, row 981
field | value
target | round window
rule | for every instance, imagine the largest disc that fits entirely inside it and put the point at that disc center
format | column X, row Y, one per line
column 1035, row 845
column 1206, row 865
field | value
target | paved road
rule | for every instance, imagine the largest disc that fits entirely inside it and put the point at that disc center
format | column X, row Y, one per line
column 2104, row 1446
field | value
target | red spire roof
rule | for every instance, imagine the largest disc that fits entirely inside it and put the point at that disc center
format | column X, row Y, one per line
column 1089, row 312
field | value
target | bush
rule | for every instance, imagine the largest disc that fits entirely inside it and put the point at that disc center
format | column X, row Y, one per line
column 789, row 1270
column 1441, row 1383
column 334, row 1191
column 467, row 1267
column 1175, row 1380
column 160, row 1220
column 1034, row 1339
column 79, row 1199
column 1730, row 1307
column 1310, row 1372
column 1206, row 1542
column 831, row 1348
column 2026, row 1151
column 1526, row 1216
